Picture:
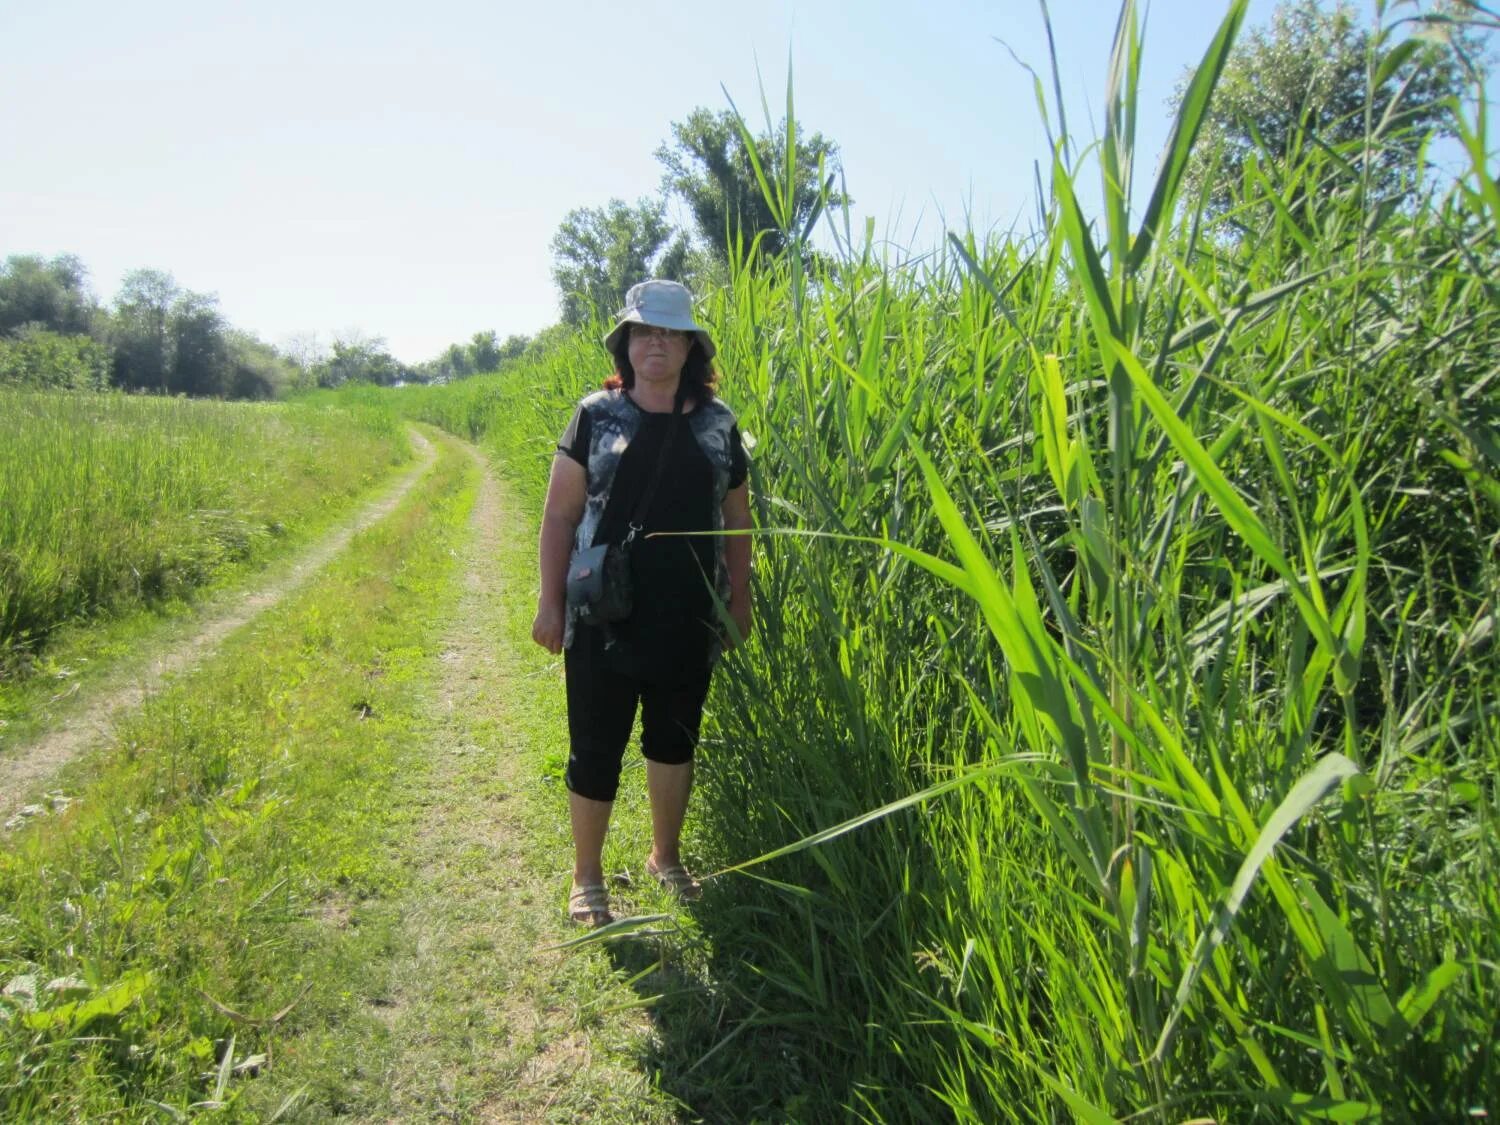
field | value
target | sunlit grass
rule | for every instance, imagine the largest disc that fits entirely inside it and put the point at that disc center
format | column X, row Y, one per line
column 108, row 502
column 196, row 917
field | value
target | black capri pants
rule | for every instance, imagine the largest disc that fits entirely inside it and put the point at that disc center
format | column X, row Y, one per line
column 603, row 693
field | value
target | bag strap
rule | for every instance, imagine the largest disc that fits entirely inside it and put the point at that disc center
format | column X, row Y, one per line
column 638, row 519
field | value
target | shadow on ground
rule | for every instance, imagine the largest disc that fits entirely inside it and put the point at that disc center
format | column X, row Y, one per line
column 745, row 1033
column 718, row 1051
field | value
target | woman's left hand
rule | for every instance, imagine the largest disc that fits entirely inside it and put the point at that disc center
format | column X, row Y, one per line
column 737, row 559
column 739, row 613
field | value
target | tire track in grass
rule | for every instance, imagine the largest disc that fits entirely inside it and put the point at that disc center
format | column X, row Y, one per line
column 90, row 722
column 486, row 1020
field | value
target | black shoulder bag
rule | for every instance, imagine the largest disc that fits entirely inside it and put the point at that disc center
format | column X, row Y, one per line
column 599, row 583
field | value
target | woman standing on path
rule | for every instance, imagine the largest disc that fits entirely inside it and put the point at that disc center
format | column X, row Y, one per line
column 657, row 432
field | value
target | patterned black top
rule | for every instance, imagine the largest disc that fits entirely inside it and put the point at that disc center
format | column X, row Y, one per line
column 619, row 444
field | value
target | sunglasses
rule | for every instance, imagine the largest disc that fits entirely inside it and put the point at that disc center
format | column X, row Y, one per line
column 653, row 331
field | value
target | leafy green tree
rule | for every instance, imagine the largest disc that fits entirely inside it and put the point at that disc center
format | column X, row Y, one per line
column 359, row 360
column 169, row 339
column 454, row 363
column 200, row 351
column 598, row 253
column 553, row 336
column 1302, row 85
column 708, row 165
column 256, row 370
column 139, row 330
column 50, row 293
column 484, row 352
column 514, row 347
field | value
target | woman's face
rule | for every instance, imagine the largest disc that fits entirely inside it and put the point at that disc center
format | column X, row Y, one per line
column 657, row 354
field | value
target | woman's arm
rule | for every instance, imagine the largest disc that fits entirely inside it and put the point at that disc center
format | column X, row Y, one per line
column 567, row 492
column 737, row 560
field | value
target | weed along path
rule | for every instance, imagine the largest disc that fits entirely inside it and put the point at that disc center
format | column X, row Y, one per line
column 89, row 720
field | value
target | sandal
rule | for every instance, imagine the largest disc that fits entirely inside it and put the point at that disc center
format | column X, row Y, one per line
column 675, row 879
column 588, row 905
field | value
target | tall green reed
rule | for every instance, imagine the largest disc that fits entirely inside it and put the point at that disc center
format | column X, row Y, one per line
column 1115, row 738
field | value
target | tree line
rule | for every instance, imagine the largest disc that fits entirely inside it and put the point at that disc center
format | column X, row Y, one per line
column 159, row 337
column 156, row 336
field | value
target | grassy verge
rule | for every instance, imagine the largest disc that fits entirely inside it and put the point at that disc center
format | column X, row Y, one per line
column 110, row 503
column 195, row 918
column 40, row 681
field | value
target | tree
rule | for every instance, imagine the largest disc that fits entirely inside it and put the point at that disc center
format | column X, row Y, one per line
column 256, row 369
column 143, row 351
column 598, row 253
column 484, row 352
column 51, row 294
column 304, row 351
column 39, row 358
column 708, row 165
column 454, row 363
column 200, row 352
column 359, row 359
column 1302, row 85
column 169, row 339
column 553, row 336
column 514, row 347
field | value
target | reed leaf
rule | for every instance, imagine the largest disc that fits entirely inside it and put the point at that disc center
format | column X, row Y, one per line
column 1309, row 790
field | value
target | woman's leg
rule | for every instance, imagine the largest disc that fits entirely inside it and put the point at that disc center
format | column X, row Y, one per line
column 590, row 823
column 601, row 711
column 668, row 786
column 670, row 718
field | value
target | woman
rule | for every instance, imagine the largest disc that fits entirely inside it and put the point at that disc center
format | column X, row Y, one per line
column 658, row 433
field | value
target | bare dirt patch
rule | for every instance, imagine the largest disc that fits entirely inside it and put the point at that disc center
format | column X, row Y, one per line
column 89, row 721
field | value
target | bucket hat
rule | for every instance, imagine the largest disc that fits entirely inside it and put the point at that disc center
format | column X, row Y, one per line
column 666, row 304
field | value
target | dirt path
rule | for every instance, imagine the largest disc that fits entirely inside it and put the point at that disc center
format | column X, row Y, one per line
column 488, row 1020
column 88, row 722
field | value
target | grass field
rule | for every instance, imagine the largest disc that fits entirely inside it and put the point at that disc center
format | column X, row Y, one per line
column 111, row 502
column 152, row 929
column 324, row 874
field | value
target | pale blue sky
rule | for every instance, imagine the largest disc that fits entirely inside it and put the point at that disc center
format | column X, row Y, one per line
column 399, row 169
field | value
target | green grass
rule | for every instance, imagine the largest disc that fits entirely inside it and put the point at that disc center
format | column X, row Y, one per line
column 483, row 1015
column 109, row 502
column 325, row 874
column 195, row 916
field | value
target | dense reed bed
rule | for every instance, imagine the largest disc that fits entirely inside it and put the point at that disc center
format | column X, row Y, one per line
column 1120, row 728
column 109, row 501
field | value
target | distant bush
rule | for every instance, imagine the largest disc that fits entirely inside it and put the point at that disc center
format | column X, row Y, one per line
column 39, row 358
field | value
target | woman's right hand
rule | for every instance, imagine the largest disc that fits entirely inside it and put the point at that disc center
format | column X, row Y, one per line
column 547, row 629
column 566, row 495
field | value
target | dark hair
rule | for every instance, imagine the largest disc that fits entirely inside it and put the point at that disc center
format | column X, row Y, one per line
column 699, row 379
